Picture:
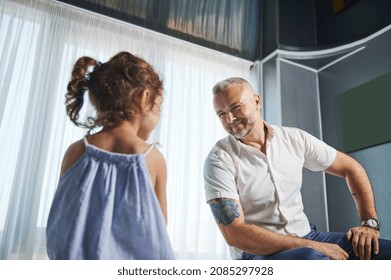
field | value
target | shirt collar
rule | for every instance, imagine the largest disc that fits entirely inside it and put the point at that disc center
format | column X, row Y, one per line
column 237, row 144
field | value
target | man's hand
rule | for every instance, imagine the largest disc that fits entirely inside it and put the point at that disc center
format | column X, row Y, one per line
column 365, row 240
column 333, row 251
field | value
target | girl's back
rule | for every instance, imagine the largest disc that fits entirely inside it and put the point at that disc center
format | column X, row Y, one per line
column 106, row 208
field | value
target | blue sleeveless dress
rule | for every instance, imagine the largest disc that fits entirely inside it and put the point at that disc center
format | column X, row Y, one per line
column 105, row 208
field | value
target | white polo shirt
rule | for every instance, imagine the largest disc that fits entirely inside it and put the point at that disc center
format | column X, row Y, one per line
column 267, row 186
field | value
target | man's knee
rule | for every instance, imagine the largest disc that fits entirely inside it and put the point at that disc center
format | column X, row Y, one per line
column 384, row 250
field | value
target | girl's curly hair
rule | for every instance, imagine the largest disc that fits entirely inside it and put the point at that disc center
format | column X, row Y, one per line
column 115, row 88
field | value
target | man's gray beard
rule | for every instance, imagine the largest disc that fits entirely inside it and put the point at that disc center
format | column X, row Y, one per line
column 244, row 132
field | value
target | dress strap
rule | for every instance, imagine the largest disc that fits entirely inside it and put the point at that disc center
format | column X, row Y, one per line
column 85, row 141
column 150, row 147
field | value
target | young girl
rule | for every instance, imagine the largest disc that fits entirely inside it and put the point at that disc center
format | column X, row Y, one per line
column 111, row 198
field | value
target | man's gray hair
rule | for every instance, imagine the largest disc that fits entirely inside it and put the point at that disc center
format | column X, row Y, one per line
column 222, row 85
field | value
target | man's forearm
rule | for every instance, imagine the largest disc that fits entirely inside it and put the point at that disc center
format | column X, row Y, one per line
column 361, row 189
column 229, row 216
column 358, row 182
column 256, row 240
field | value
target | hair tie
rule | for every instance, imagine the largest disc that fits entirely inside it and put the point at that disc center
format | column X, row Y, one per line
column 87, row 74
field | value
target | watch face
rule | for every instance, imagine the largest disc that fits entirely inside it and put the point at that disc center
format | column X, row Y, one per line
column 372, row 223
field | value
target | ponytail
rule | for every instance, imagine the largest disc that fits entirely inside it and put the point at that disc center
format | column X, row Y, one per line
column 77, row 87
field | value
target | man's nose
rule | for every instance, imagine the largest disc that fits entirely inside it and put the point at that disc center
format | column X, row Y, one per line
column 230, row 117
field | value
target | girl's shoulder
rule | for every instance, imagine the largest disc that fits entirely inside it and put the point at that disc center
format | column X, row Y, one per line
column 73, row 153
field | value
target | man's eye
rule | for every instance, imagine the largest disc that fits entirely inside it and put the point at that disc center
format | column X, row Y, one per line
column 236, row 108
column 221, row 115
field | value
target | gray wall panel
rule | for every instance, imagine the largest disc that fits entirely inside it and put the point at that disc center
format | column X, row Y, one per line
column 300, row 108
column 368, row 64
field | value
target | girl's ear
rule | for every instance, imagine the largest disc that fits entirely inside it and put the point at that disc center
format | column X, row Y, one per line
column 144, row 104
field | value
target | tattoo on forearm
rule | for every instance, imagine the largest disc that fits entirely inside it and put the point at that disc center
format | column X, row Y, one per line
column 224, row 210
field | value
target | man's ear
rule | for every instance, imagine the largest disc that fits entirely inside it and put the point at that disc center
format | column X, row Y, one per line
column 144, row 102
column 257, row 100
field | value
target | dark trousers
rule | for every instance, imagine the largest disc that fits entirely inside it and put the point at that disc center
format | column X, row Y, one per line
column 327, row 237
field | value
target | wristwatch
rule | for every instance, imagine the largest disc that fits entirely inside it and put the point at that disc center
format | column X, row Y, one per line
column 371, row 223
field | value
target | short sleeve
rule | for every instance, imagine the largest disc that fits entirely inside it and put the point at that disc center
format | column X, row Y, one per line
column 318, row 156
column 219, row 176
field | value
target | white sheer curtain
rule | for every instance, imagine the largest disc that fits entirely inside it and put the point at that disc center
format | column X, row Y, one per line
column 40, row 40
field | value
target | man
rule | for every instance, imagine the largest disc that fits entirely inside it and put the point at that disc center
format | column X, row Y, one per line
column 253, row 179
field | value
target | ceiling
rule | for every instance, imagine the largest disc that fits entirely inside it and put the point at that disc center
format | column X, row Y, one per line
column 252, row 29
column 229, row 26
